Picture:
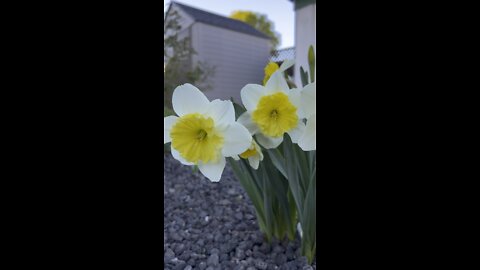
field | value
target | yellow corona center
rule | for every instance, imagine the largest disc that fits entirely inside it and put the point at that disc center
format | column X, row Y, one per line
column 249, row 153
column 275, row 115
column 195, row 138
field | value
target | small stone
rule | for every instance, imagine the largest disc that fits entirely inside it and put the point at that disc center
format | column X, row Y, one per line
column 179, row 248
column 278, row 249
column 169, row 255
column 239, row 254
column 185, row 255
column 202, row 265
column 302, row 260
column 261, row 265
column 265, row 248
column 243, row 245
column 251, row 268
column 223, row 257
column 224, row 202
column 239, row 267
column 218, row 237
column 307, row 267
column 239, row 216
column 191, row 261
column 188, row 267
column 280, row 259
column 213, row 260
column 177, row 237
column 180, row 266
column 258, row 254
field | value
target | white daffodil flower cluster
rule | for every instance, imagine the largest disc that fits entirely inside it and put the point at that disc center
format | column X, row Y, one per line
column 205, row 132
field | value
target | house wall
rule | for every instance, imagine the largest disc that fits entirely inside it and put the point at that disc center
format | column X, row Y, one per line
column 184, row 21
column 238, row 58
column 305, row 35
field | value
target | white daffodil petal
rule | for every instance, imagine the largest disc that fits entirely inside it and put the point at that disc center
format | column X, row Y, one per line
column 308, row 99
column 254, row 161
column 277, row 83
column 235, row 157
column 308, row 141
column 251, row 94
column 295, row 97
column 268, row 142
column 246, row 120
column 168, row 122
column 188, row 99
column 176, row 155
column 237, row 140
column 222, row 112
column 287, row 64
column 213, row 171
column 297, row 132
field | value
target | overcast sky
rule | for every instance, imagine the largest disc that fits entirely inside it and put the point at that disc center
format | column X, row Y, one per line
column 279, row 11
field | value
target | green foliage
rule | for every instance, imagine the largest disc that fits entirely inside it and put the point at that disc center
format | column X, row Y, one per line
column 259, row 22
column 177, row 53
column 299, row 168
column 268, row 190
column 283, row 189
column 167, row 112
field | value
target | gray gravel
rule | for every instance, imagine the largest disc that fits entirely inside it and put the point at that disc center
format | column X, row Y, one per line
column 213, row 226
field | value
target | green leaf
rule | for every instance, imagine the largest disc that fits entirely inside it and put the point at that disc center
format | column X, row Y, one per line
column 311, row 63
column 303, row 77
column 280, row 187
column 252, row 190
column 293, row 211
column 292, row 174
column 239, row 109
column 303, row 165
column 267, row 205
column 312, row 160
column 308, row 222
column 277, row 160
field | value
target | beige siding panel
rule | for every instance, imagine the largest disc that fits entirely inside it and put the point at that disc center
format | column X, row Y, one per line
column 239, row 59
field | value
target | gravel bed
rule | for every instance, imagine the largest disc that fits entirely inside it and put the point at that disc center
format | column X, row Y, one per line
column 213, row 226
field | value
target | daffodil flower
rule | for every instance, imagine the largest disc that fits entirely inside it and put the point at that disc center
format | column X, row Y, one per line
column 272, row 111
column 272, row 67
column 205, row 132
column 253, row 154
column 269, row 70
column 308, row 141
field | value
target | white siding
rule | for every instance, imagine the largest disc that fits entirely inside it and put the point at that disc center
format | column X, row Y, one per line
column 305, row 35
column 184, row 19
column 238, row 58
